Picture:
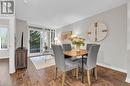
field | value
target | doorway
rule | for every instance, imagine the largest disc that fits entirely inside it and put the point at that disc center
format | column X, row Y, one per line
column 35, row 42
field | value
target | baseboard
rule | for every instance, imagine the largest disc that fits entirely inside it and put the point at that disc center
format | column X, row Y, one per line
column 12, row 71
column 4, row 57
column 128, row 80
column 112, row 67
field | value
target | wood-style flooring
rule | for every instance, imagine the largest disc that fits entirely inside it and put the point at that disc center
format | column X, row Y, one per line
column 45, row 77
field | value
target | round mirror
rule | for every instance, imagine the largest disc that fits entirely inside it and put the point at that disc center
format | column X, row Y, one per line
column 97, row 32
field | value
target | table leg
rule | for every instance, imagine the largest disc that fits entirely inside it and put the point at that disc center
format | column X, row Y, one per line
column 82, row 70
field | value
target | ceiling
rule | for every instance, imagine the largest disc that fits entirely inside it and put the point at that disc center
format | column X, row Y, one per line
column 58, row 13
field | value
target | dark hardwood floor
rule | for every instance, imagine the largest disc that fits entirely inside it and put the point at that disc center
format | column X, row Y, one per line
column 44, row 77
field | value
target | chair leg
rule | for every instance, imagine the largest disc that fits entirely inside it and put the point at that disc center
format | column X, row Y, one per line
column 63, row 79
column 56, row 73
column 73, row 72
column 88, row 76
column 95, row 73
column 77, row 72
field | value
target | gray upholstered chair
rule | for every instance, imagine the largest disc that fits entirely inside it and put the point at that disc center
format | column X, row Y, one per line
column 89, row 45
column 63, row 64
column 66, row 47
column 87, row 48
column 91, row 61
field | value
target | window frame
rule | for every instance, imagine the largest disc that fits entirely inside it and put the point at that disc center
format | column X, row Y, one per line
column 5, row 26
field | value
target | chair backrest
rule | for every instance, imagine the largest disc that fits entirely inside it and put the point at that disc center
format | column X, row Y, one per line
column 89, row 45
column 59, row 57
column 92, row 56
column 66, row 47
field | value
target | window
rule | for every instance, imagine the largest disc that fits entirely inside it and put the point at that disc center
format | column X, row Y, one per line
column 49, row 37
column 3, row 38
column 35, row 39
column 52, row 36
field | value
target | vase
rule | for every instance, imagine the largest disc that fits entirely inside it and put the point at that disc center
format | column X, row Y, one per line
column 77, row 47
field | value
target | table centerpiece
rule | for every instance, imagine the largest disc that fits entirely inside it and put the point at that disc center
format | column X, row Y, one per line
column 78, row 41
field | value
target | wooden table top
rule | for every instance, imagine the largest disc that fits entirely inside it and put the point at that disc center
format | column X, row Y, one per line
column 75, row 53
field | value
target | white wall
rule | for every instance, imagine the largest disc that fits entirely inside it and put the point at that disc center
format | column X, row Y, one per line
column 4, row 54
column 128, row 66
column 128, row 42
column 21, row 26
column 128, row 30
column 11, row 44
column 113, row 48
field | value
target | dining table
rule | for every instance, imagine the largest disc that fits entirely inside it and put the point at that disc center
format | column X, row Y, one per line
column 75, row 53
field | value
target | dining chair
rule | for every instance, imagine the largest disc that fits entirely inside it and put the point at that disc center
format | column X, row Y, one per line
column 89, row 45
column 87, row 48
column 91, row 61
column 63, row 64
column 66, row 47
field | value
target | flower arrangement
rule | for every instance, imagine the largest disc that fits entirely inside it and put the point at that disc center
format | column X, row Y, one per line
column 78, row 41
